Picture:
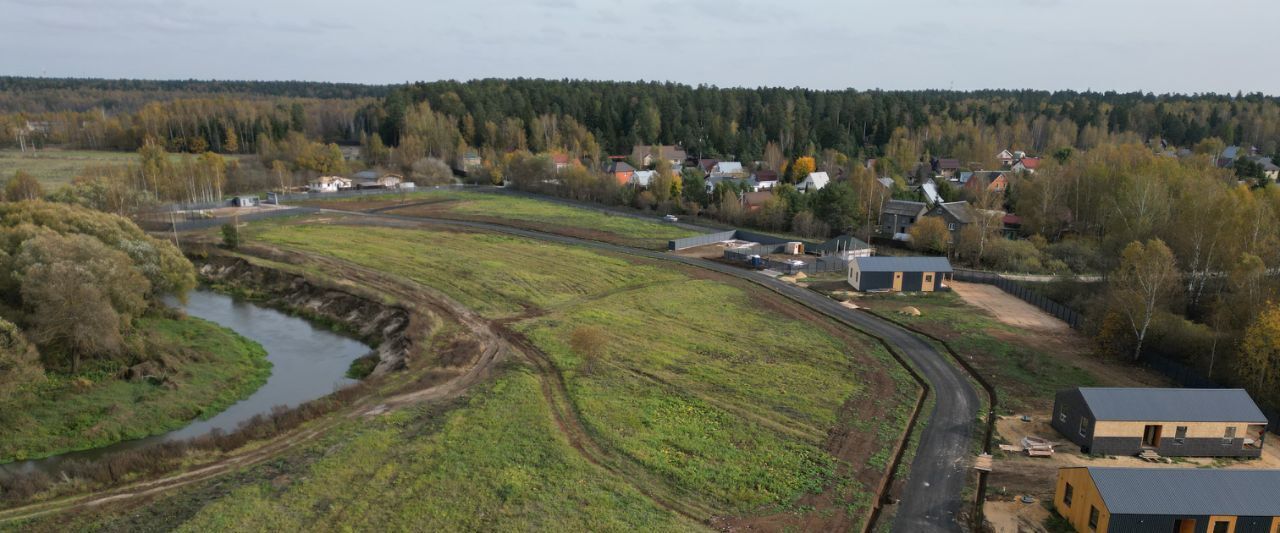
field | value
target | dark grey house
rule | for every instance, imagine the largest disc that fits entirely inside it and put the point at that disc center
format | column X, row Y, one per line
column 955, row 214
column 1170, row 422
column 1169, row 500
column 897, row 216
column 899, row 274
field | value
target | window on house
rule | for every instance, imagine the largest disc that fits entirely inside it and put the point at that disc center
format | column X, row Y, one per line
column 1229, row 436
column 1062, row 415
column 1093, row 518
column 1180, row 435
column 951, row 226
column 1084, row 426
column 1222, row 526
column 1067, row 493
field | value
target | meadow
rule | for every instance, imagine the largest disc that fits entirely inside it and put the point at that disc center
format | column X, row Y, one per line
column 54, row 168
column 97, row 407
column 721, row 391
column 530, row 213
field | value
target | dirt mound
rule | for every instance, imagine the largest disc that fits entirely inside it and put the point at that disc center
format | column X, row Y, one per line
column 909, row 311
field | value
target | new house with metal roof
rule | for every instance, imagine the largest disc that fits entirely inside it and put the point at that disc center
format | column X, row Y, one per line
column 1168, row 422
column 1164, row 500
column 909, row 274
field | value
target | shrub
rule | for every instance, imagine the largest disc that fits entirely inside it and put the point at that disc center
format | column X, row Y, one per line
column 230, row 236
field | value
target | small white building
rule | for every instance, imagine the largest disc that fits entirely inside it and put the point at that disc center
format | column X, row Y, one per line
column 642, row 178
column 815, row 181
column 329, row 184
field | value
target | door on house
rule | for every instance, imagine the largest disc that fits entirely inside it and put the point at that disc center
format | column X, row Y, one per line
column 1151, row 436
column 897, row 281
column 927, row 284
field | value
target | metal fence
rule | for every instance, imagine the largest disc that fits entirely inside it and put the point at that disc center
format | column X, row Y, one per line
column 1189, row 377
column 1062, row 312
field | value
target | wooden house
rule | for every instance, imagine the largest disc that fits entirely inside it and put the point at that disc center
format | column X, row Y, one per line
column 1168, row 422
column 1169, row 500
column 898, row 274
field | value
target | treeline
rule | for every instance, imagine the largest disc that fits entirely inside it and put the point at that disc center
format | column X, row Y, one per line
column 904, row 125
column 52, row 95
column 219, row 124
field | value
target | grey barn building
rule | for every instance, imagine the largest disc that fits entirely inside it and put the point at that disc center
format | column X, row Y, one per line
column 1170, row 422
column 1169, row 500
column 899, row 274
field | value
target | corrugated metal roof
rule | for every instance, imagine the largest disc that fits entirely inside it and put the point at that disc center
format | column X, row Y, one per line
column 1172, row 405
column 904, row 207
column 903, row 264
column 1189, row 491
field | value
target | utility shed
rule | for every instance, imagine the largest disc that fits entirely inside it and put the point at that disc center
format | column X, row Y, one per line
column 1169, row 421
column 1164, row 500
column 898, row 274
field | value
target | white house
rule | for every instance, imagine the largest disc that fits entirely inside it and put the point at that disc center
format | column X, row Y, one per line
column 642, row 178
column 329, row 184
column 728, row 168
column 815, row 181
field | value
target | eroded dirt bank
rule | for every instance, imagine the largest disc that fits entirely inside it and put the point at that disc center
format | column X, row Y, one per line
column 381, row 325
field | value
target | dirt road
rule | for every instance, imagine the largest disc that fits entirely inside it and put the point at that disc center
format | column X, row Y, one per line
column 1007, row 308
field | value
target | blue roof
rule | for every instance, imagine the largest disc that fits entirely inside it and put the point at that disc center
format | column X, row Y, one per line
column 1188, row 491
column 903, row 264
column 1172, row 405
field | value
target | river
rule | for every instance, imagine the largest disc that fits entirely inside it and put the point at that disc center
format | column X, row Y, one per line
column 307, row 363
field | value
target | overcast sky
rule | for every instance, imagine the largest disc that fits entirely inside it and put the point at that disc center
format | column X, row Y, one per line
column 1149, row 45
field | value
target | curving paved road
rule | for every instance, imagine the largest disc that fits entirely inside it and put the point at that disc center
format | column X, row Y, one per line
column 932, row 498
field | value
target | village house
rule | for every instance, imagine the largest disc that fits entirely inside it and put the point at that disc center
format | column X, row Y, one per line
column 992, row 180
column 562, row 161
column 763, row 180
column 898, row 274
column 945, row 168
column 1167, row 422
column 1027, row 164
column 712, row 181
column 471, row 161
column 753, row 201
column 372, row 179
column 621, row 171
column 897, row 216
column 329, row 184
column 1006, row 158
column 930, row 191
column 955, row 214
column 706, row 164
column 728, row 168
column 644, row 155
column 814, row 182
column 642, row 178
column 1168, row 500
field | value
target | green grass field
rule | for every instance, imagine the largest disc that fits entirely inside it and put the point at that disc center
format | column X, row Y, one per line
column 497, row 463
column 97, row 408
column 55, row 168
column 726, row 397
column 529, row 213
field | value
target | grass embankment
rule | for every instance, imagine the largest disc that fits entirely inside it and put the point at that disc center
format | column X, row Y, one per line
column 530, row 213
column 213, row 367
column 1026, row 368
column 721, row 390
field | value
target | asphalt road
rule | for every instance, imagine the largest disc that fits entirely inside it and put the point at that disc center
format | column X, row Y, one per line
column 932, row 498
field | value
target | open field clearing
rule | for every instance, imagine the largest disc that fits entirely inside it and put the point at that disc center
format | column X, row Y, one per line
column 523, row 212
column 55, row 168
column 96, row 408
column 723, row 393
